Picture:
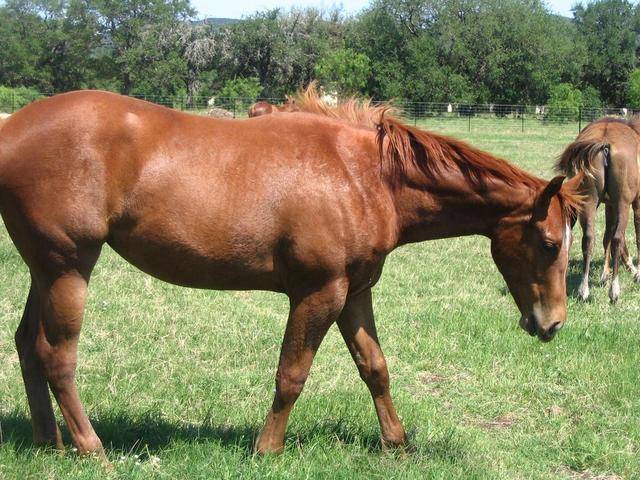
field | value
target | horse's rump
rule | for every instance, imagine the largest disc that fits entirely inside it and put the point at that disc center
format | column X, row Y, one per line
column 581, row 156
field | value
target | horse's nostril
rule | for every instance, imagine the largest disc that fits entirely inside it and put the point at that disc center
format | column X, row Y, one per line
column 555, row 327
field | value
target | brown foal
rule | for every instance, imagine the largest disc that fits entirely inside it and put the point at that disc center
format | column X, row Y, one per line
column 606, row 154
column 266, row 108
column 301, row 203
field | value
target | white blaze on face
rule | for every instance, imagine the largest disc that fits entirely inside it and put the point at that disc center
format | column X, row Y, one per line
column 566, row 239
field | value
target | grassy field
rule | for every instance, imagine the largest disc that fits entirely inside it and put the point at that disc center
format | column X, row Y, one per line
column 178, row 381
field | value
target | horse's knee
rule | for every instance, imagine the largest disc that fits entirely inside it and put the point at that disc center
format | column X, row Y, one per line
column 375, row 374
column 289, row 386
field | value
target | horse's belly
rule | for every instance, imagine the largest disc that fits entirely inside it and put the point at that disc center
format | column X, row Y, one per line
column 224, row 266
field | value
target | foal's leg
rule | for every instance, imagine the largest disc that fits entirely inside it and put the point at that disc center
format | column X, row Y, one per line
column 621, row 212
column 636, row 224
column 43, row 421
column 587, row 222
column 358, row 329
column 610, row 218
column 627, row 258
column 312, row 313
column 62, row 297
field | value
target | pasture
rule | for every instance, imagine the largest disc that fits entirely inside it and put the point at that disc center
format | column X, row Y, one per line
column 178, row 381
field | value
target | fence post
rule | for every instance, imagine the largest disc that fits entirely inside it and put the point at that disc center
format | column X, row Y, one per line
column 469, row 120
column 579, row 118
column 13, row 102
column 234, row 107
column 522, row 118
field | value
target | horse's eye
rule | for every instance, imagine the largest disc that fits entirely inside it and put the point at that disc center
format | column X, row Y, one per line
column 550, row 247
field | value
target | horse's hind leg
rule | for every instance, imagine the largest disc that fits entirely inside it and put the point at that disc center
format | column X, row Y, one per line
column 587, row 222
column 62, row 294
column 358, row 329
column 606, row 242
column 627, row 258
column 621, row 215
column 43, row 421
column 636, row 224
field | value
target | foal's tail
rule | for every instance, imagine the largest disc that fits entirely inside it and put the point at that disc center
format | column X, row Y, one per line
column 582, row 155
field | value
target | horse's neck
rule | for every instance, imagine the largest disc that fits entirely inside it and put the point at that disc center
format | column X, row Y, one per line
column 453, row 208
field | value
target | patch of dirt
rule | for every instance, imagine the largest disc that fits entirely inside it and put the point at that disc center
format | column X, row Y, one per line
column 555, row 411
column 504, row 421
column 428, row 378
column 587, row 475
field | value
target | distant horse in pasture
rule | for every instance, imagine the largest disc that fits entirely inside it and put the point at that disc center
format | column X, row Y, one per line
column 183, row 198
column 266, row 108
column 606, row 154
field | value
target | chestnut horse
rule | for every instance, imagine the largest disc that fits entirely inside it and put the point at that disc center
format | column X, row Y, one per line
column 183, row 198
column 607, row 151
column 266, row 108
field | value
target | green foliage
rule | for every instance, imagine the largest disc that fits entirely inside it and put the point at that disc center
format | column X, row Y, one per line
column 13, row 98
column 609, row 29
column 634, row 88
column 241, row 88
column 488, row 51
column 344, row 71
column 590, row 97
column 565, row 102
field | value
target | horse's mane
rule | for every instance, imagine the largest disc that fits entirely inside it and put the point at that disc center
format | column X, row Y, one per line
column 410, row 147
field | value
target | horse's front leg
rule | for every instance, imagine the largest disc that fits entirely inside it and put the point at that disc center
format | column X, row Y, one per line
column 312, row 312
column 358, row 329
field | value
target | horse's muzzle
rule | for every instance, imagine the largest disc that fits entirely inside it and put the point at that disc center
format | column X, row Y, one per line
column 531, row 325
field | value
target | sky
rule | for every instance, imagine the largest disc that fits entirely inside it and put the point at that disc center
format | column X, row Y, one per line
column 240, row 8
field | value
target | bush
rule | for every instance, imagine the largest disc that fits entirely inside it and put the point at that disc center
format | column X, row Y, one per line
column 11, row 99
column 564, row 103
column 634, row 88
column 246, row 89
column 344, row 71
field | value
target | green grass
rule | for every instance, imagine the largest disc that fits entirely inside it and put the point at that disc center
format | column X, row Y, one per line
column 178, row 381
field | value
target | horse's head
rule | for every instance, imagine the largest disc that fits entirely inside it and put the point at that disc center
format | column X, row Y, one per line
column 532, row 253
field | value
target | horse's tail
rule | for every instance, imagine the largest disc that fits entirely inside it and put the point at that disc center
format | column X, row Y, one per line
column 582, row 155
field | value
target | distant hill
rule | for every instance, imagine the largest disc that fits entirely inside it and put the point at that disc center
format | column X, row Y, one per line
column 216, row 22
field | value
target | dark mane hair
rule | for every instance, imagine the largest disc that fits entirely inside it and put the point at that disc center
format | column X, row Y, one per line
column 402, row 147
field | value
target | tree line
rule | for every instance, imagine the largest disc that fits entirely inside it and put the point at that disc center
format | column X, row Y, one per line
column 465, row 51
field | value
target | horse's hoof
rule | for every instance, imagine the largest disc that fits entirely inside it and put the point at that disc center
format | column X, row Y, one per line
column 614, row 291
column 263, row 447
column 583, row 293
column 636, row 277
column 604, row 278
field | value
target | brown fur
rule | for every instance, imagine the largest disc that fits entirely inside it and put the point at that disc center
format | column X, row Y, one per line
column 615, row 143
column 266, row 108
column 292, row 203
column 402, row 146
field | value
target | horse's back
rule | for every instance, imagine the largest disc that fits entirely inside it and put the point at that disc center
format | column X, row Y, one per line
column 191, row 200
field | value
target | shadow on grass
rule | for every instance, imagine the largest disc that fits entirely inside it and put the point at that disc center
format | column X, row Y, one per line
column 123, row 433
column 574, row 275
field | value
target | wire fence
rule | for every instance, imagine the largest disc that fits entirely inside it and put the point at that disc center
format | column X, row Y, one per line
column 464, row 115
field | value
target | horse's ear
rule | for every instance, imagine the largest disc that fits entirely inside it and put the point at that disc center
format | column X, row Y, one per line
column 545, row 196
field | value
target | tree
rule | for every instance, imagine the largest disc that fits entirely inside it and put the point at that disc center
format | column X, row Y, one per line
column 634, row 88
column 609, row 29
column 129, row 29
column 344, row 71
column 47, row 44
column 279, row 49
column 564, row 103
